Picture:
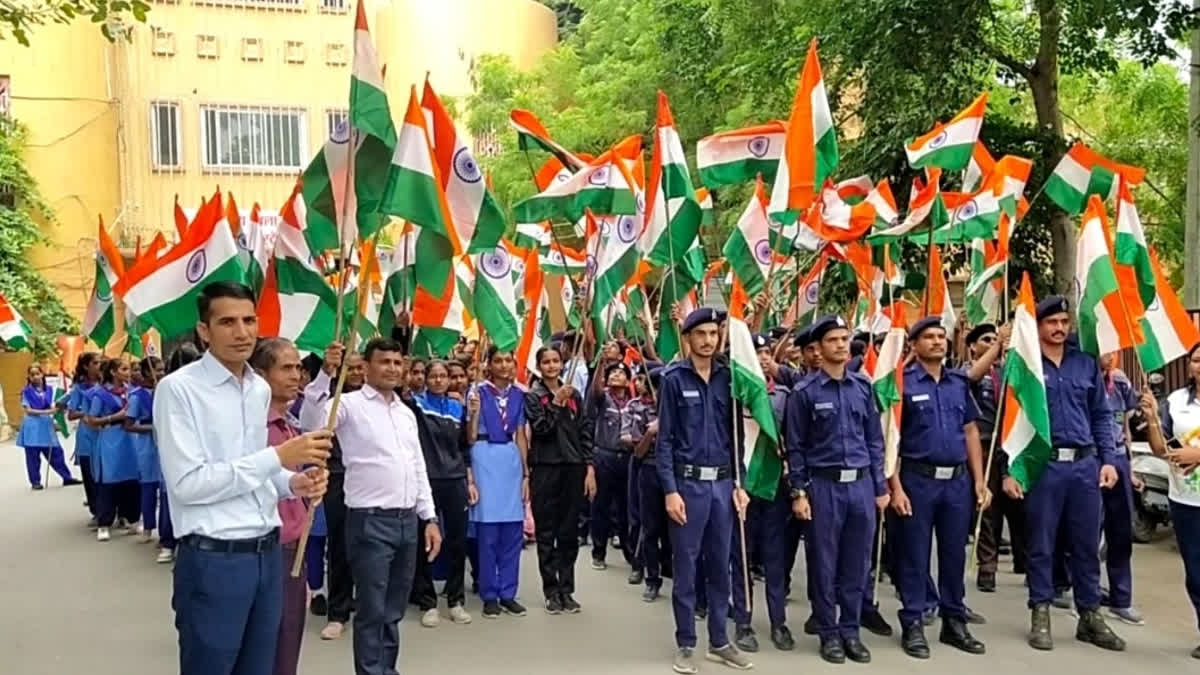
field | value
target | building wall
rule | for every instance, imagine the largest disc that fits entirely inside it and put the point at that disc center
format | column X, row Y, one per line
column 88, row 103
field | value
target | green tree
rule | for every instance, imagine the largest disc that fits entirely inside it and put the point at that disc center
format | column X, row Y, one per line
column 21, row 283
column 19, row 18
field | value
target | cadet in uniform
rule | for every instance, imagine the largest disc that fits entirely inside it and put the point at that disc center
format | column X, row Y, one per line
column 1068, row 492
column 1118, row 500
column 693, row 457
column 835, row 456
column 939, row 482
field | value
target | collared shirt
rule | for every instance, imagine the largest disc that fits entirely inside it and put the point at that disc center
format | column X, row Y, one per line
column 1180, row 420
column 986, row 392
column 935, row 411
column 833, row 424
column 694, row 419
column 222, row 478
column 1121, row 400
column 1078, row 405
column 385, row 467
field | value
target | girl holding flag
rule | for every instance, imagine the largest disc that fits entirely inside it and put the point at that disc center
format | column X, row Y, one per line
column 139, row 426
column 37, row 435
column 114, row 462
column 87, row 378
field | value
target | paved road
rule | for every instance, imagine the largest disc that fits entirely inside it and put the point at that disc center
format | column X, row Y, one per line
column 72, row 605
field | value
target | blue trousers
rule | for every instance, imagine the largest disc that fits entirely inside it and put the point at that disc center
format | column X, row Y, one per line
column 633, row 533
column 1118, row 534
column 1186, row 521
column 943, row 507
column 314, row 562
column 149, row 502
column 709, row 528
column 499, row 559
column 843, row 525
column 612, row 476
column 227, row 611
column 33, row 464
column 766, row 528
column 383, row 550
column 653, row 524
column 1068, row 493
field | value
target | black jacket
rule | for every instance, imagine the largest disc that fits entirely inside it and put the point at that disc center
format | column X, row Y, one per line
column 559, row 434
column 443, row 438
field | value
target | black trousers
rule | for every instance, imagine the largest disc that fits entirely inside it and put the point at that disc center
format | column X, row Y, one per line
column 341, row 581
column 556, row 493
column 118, row 500
column 1002, row 508
column 450, row 500
column 89, row 485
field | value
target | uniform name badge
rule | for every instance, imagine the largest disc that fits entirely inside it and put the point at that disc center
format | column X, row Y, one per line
column 1066, row 454
column 943, row 473
column 828, row 405
column 920, row 397
column 691, row 393
column 848, row 475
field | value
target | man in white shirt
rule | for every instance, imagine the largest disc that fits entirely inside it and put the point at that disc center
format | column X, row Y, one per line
column 389, row 505
column 224, row 483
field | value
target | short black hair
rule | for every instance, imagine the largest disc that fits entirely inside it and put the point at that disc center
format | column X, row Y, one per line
column 493, row 351
column 381, row 344
column 183, row 355
column 266, row 352
column 221, row 289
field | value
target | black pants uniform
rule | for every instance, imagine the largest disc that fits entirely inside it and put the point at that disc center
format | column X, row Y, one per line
column 556, row 493
column 1002, row 508
column 450, row 500
column 341, row 581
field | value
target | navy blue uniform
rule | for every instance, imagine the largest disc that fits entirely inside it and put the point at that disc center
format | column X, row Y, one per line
column 1068, row 492
column 934, row 476
column 648, row 494
column 835, row 451
column 1118, row 500
column 694, row 434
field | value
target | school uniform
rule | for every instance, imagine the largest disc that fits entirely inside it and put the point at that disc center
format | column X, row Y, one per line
column 114, row 464
column 499, row 515
column 39, row 438
column 141, row 406
column 79, row 401
column 1118, row 500
column 612, row 458
column 653, row 544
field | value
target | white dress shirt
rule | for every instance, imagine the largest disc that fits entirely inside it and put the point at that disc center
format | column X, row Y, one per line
column 385, row 467
column 313, row 413
column 222, row 478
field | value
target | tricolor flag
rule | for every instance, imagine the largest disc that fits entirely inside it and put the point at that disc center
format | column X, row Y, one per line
column 854, row 190
column 559, row 259
column 1104, row 325
column 1169, row 330
column 950, row 146
column 886, row 213
column 1025, row 433
column 99, row 320
column 181, row 219
column 672, row 213
column 979, row 167
column 761, row 464
column 804, row 310
column 1082, row 173
column 971, row 216
column 495, row 298
column 707, row 217
column 601, row 187
column 735, row 157
column 531, row 133
column 748, row 248
column 15, row 333
column 1131, row 248
column 938, row 293
column 810, row 149
column 985, row 289
column 617, row 264
column 834, row 220
column 924, row 203
column 887, row 382
column 1007, row 180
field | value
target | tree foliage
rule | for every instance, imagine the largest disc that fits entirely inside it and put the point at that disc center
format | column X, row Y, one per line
column 21, row 283
column 18, row 18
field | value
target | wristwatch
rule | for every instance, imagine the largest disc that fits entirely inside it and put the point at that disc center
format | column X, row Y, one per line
column 799, row 493
column 433, row 521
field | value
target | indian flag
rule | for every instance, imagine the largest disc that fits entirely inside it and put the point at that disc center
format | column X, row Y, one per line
column 887, row 382
column 672, row 214
column 735, row 157
column 804, row 310
column 886, row 212
column 833, row 220
column 181, row 219
column 1169, row 330
column 255, row 244
column 979, row 167
column 971, row 216
column 679, row 285
column 531, row 134
column 748, row 248
column 603, row 188
column 99, row 321
column 532, row 236
column 1025, row 435
column 60, row 404
column 708, row 217
column 559, row 259
column 1007, row 180
column 924, row 203
column 950, row 146
column 1104, row 325
column 762, row 467
column 985, row 288
column 810, row 148
column 400, row 282
column 496, row 298
column 854, row 190
column 617, row 264
column 476, row 215
column 1131, row 248
column 1082, row 173
column 15, row 333
column 938, row 293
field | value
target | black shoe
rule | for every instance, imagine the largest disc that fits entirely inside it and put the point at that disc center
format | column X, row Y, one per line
column 856, row 651
column 1018, row 569
column 650, row 594
column 1092, row 628
column 512, row 607
column 554, row 605
column 1196, row 653
column 491, row 610
column 913, row 642
column 474, row 588
column 986, row 582
column 757, row 573
column 701, row 613
column 569, row 604
column 745, row 639
column 810, row 625
column 975, row 618
column 781, row 637
column 955, row 634
column 72, row 481
column 319, row 605
column 37, row 487
column 636, row 577
column 1039, row 628
column 873, row 621
column 832, row 650
column 599, row 564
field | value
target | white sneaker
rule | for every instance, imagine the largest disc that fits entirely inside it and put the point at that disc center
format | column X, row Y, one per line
column 135, row 529
column 102, row 534
column 431, row 618
column 165, row 555
column 147, row 537
column 332, row 630
column 459, row 615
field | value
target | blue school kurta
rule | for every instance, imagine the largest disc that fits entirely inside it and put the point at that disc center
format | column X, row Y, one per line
column 113, row 460
column 37, row 431
column 495, row 458
column 80, row 401
column 141, row 407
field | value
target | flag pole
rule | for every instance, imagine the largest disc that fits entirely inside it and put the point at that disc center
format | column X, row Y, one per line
column 997, row 430
column 737, row 476
column 878, row 576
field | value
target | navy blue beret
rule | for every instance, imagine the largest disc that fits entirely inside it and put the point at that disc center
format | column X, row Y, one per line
column 924, row 324
column 825, row 324
column 1055, row 304
column 702, row 316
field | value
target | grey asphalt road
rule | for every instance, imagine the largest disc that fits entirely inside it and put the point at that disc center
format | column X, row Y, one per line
column 73, row 605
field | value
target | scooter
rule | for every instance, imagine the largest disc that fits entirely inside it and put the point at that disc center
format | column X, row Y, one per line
column 1150, row 504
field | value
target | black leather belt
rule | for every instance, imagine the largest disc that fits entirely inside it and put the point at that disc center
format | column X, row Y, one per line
column 262, row 544
column 1068, row 454
column 838, row 474
column 934, row 471
column 706, row 473
column 386, row 513
column 615, row 452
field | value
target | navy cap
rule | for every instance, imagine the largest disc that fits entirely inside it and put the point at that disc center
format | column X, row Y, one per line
column 760, row 341
column 979, row 331
column 617, row 365
column 923, row 324
column 1055, row 304
column 702, row 316
column 803, row 337
column 823, row 325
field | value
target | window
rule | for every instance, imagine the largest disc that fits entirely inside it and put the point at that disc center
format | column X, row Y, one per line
column 253, row 138
column 164, row 135
column 334, row 119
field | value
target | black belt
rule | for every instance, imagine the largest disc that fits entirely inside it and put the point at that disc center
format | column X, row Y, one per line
column 386, row 513
column 262, row 544
column 838, row 474
column 934, row 471
column 1069, row 454
column 705, row 473
column 615, row 452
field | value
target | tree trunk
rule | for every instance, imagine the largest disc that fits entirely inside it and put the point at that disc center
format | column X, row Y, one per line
column 1191, row 231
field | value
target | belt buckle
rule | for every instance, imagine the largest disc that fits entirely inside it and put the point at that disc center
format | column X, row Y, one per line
column 847, row 475
column 943, row 473
column 1065, row 454
column 709, row 473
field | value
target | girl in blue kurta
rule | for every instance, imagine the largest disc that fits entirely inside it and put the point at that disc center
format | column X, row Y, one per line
column 37, row 434
column 501, row 480
column 139, row 426
column 113, row 462
column 87, row 376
